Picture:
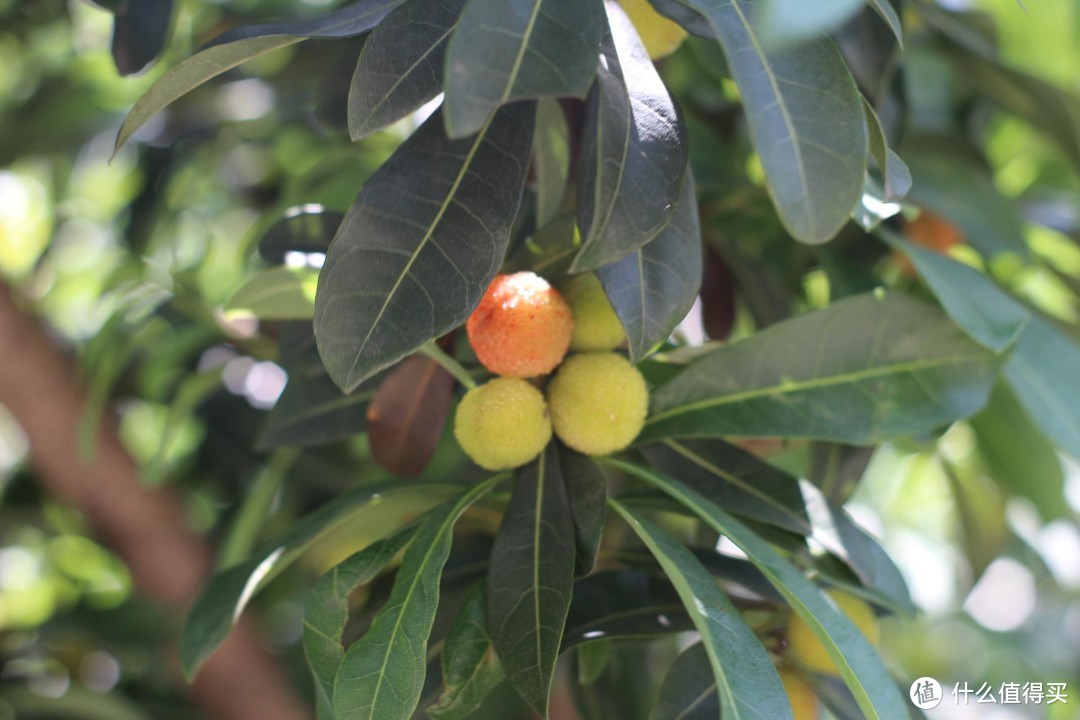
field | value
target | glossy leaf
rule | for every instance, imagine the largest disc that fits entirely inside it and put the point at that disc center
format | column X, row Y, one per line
column 894, row 171
column 247, row 43
column 471, row 669
column 140, row 32
column 623, row 604
column 531, row 576
column 749, row 685
column 653, row 288
column 401, row 66
column 633, row 151
column 406, row 417
column 864, row 369
column 507, row 50
column 977, row 305
column 303, row 229
column 420, row 245
column 805, row 118
column 281, row 293
column 586, row 491
column 383, row 672
column 859, row 664
column 224, row 599
column 689, row 689
column 327, row 608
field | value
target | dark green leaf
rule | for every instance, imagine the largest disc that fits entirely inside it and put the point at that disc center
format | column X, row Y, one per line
column 894, row 171
column 507, row 50
column 623, row 604
column 862, row 370
column 401, row 67
column 806, row 119
column 885, row 9
column 1018, row 457
column 531, row 577
column 689, row 689
column 586, row 491
column 989, row 316
column 224, row 599
column 383, row 672
column 327, row 607
column 305, row 229
column 471, row 670
column 749, row 685
column 592, row 661
column 1042, row 373
column 653, row 288
column 633, row 152
column 551, row 160
column 140, row 31
column 313, row 411
column 246, row 43
column 421, row 244
column 858, row 662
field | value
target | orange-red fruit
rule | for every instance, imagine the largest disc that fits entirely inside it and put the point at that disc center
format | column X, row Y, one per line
column 522, row 326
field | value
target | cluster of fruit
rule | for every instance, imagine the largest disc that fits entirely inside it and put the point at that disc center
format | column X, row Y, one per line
column 522, row 329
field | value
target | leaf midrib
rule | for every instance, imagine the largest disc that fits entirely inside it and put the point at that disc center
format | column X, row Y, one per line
column 815, row 383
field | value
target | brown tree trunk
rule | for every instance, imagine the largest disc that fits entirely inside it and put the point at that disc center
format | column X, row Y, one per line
column 145, row 527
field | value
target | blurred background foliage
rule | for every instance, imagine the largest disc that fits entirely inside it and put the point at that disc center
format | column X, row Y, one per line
column 131, row 262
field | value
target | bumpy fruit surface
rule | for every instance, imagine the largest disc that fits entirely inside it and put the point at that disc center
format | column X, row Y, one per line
column 502, row 424
column 804, row 703
column 596, row 326
column 598, row 403
column 660, row 36
column 522, row 326
column 807, row 651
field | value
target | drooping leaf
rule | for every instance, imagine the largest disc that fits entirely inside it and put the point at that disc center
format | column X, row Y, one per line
column 280, row 293
column 420, row 245
column 406, row 417
column 894, row 171
column 383, row 672
column 586, row 491
column 864, row 369
column 551, row 160
column 225, row 597
column 508, row 50
column 246, row 43
column 531, row 576
column 623, row 604
column 303, row 229
column 805, row 116
column 471, row 669
column 401, row 67
column 989, row 316
column 327, row 607
column 860, row 666
column 749, row 685
column 140, row 31
column 633, row 152
column 689, row 689
column 653, row 288
column 1017, row 455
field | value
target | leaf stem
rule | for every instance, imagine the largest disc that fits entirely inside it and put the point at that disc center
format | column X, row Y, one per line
column 449, row 364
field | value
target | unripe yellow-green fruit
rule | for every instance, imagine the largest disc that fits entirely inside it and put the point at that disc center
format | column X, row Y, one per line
column 598, row 402
column 803, row 647
column 804, row 702
column 502, row 424
column 660, row 36
column 596, row 326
